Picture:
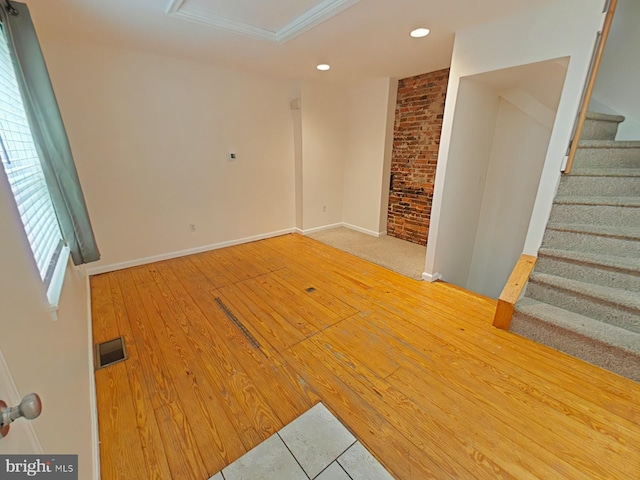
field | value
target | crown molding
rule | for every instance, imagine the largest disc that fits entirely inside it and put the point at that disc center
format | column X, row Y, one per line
column 320, row 13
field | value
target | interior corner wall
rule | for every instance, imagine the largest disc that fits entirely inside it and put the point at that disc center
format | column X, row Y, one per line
column 44, row 356
column 364, row 167
column 618, row 78
column 324, row 144
column 470, row 154
column 517, row 155
column 150, row 136
column 392, row 100
column 296, row 114
column 556, row 30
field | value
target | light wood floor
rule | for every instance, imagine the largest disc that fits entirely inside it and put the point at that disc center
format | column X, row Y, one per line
column 413, row 369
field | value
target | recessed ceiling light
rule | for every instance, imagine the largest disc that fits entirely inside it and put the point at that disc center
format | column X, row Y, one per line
column 323, row 67
column 419, row 32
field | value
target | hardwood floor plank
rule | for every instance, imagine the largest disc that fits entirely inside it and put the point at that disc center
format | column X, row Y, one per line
column 123, row 452
column 401, row 457
column 512, row 383
column 176, row 349
column 159, row 388
column 212, row 367
column 415, row 370
column 281, row 312
column 433, row 433
column 180, row 447
column 227, row 370
column 156, row 465
column 458, row 408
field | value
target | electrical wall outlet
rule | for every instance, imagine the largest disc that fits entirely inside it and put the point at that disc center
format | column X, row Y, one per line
column 192, row 227
column 324, row 209
column 231, row 156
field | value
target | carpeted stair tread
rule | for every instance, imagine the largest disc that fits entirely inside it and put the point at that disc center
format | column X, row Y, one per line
column 630, row 201
column 606, row 172
column 614, row 231
column 608, row 144
column 604, row 117
column 623, row 264
column 580, row 324
column 615, row 296
column 583, row 297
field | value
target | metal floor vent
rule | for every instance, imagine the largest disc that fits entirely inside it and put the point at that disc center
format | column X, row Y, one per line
column 111, row 352
column 237, row 323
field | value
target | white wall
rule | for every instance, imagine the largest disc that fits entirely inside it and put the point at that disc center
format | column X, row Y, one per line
column 347, row 139
column 324, row 150
column 557, row 30
column 618, row 81
column 296, row 113
column 150, row 137
column 45, row 356
column 518, row 150
column 364, row 170
column 473, row 130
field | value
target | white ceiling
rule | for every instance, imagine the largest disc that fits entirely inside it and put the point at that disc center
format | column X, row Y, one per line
column 367, row 38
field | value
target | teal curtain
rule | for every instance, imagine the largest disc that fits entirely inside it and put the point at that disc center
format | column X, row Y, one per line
column 48, row 132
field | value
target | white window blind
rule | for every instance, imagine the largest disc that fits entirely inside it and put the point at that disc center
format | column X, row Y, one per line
column 23, row 169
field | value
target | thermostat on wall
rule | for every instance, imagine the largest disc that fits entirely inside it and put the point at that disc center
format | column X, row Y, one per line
column 231, row 156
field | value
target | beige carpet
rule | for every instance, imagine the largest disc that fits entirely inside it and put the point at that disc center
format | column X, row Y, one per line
column 398, row 255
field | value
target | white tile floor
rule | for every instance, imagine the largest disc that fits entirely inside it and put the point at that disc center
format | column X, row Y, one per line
column 314, row 446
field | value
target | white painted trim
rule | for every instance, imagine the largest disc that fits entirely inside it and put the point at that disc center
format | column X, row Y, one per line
column 57, row 280
column 431, row 277
column 202, row 17
column 318, row 14
column 93, row 399
column 11, row 395
column 319, row 229
column 174, row 6
column 341, row 224
column 181, row 253
column 312, row 18
column 364, row 230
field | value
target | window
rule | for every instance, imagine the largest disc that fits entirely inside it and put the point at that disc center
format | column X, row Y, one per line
column 24, row 171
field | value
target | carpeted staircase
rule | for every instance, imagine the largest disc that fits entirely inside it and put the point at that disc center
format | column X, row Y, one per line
column 583, row 296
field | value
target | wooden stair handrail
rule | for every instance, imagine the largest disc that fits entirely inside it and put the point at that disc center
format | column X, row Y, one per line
column 591, row 82
column 512, row 291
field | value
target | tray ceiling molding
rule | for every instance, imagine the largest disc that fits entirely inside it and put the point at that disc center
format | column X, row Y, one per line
column 316, row 15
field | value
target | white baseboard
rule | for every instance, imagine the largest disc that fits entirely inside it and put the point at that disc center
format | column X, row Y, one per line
column 307, row 231
column 93, row 400
column 431, row 277
column 364, row 230
column 340, row 224
column 166, row 256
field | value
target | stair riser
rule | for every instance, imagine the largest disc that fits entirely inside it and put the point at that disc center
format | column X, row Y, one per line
column 587, row 273
column 599, row 130
column 593, row 351
column 607, row 158
column 599, row 186
column 596, row 215
column 604, row 312
column 582, row 242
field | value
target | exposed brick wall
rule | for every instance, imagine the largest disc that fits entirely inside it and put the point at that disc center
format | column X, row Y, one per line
column 416, row 139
